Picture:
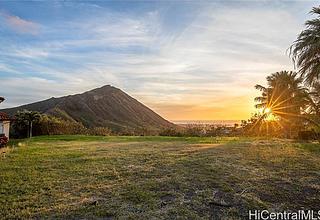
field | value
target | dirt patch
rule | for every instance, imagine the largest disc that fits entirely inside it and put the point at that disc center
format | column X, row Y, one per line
column 226, row 205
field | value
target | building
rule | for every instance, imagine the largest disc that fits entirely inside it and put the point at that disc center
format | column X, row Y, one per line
column 4, row 124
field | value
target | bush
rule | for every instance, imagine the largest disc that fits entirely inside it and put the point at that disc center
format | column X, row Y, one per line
column 172, row 132
column 50, row 125
column 100, row 131
column 3, row 140
column 201, row 130
column 308, row 135
column 194, row 130
column 211, row 131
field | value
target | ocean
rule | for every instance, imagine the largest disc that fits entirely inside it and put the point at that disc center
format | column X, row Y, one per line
column 207, row 122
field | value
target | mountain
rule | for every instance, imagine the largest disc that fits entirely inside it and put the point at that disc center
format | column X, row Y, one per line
column 102, row 107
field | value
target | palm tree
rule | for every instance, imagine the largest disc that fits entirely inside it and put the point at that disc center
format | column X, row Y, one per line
column 305, row 51
column 314, row 99
column 284, row 97
column 284, row 93
column 27, row 118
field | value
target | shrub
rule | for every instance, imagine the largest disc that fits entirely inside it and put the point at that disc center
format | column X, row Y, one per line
column 100, row 131
column 3, row 140
column 194, row 130
column 308, row 135
column 210, row 131
column 50, row 125
column 172, row 132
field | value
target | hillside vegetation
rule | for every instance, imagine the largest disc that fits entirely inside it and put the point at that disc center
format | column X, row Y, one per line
column 102, row 107
column 161, row 177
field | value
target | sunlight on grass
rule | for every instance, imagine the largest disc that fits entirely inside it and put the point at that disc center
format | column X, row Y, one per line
column 144, row 177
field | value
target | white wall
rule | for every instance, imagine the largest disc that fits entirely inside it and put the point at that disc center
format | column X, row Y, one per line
column 6, row 128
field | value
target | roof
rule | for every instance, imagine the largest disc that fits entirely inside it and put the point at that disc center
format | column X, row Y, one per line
column 4, row 117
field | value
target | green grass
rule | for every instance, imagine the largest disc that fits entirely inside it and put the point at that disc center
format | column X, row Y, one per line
column 155, row 177
column 132, row 138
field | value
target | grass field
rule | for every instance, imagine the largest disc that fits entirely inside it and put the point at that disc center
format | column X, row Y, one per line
column 85, row 177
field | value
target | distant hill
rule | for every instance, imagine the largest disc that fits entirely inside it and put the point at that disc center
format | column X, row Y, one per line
column 102, row 107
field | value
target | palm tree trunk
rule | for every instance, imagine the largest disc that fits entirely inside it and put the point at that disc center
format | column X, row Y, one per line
column 30, row 130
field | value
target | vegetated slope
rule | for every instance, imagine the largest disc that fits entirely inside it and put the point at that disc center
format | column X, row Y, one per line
column 102, row 107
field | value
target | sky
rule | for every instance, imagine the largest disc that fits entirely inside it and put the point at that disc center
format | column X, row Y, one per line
column 186, row 60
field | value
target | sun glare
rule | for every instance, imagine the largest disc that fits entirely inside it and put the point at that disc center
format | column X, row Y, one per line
column 268, row 115
column 267, row 110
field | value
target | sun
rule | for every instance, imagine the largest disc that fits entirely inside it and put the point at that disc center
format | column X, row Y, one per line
column 267, row 110
column 268, row 115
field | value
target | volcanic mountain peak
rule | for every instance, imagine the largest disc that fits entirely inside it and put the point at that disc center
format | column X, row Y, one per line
column 106, row 106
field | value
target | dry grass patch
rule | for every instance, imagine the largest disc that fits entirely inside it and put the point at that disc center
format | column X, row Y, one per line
column 156, row 177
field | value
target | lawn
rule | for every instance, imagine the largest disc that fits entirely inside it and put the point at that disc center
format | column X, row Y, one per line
column 72, row 177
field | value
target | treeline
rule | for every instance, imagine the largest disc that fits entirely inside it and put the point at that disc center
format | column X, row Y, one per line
column 202, row 130
column 290, row 102
column 279, row 128
column 288, row 108
column 29, row 123
column 245, row 129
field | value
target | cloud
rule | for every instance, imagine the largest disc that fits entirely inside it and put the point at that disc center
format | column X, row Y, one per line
column 205, row 70
column 21, row 90
column 20, row 25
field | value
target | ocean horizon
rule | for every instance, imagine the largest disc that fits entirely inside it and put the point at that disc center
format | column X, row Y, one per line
column 207, row 122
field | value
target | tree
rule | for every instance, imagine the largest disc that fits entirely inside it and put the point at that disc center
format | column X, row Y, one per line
column 313, row 110
column 305, row 51
column 285, row 97
column 314, row 99
column 257, row 125
column 26, row 118
column 284, row 93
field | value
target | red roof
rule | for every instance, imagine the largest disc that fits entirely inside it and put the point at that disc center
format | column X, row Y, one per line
column 4, row 117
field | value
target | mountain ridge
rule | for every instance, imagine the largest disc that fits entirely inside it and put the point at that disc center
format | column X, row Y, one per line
column 106, row 106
